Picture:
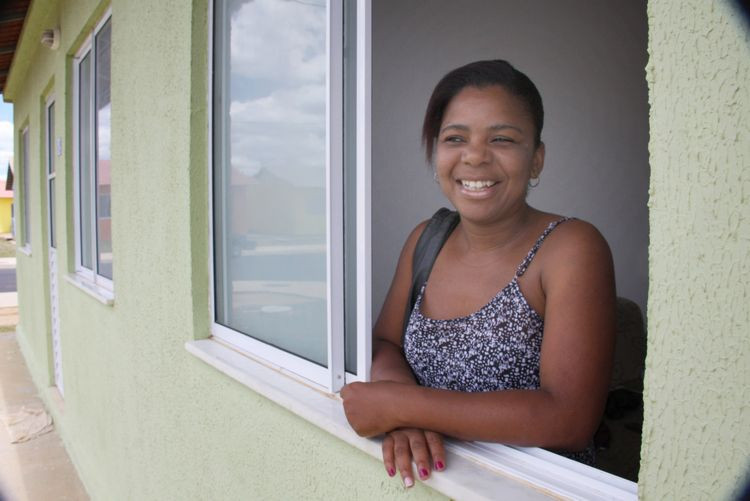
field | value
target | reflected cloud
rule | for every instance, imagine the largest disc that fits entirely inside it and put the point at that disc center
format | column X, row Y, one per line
column 103, row 127
column 273, row 208
column 300, row 105
column 278, row 90
column 279, row 40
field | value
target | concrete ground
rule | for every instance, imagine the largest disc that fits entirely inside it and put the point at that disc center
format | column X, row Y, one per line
column 38, row 469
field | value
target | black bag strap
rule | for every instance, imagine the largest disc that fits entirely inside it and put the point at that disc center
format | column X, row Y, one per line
column 437, row 231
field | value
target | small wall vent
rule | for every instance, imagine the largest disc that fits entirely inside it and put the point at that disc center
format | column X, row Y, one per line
column 51, row 38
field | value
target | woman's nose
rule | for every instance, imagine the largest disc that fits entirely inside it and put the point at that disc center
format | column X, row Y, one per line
column 475, row 154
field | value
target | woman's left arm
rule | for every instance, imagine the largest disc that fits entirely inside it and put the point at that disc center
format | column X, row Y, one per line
column 577, row 279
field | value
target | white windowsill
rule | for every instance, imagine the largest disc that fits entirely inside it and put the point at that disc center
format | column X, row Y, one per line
column 475, row 470
column 25, row 250
column 104, row 296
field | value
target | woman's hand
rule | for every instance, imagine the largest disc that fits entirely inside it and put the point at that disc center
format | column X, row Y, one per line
column 371, row 410
column 371, row 407
column 402, row 445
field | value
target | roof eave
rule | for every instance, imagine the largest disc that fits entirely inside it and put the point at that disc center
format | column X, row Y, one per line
column 28, row 43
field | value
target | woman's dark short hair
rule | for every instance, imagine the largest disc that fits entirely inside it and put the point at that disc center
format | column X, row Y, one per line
column 480, row 74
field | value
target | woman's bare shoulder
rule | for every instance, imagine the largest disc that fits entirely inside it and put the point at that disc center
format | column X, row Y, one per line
column 575, row 234
column 575, row 242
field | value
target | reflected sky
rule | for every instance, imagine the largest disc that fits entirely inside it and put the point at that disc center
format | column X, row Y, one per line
column 272, row 280
column 278, row 89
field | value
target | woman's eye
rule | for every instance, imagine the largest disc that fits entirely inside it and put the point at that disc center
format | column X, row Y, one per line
column 502, row 139
column 453, row 139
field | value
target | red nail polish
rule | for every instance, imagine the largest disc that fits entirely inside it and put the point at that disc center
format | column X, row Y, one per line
column 423, row 473
column 439, row 465
column 391, row 472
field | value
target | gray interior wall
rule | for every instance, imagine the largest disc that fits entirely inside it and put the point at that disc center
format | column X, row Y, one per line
column 588, row 60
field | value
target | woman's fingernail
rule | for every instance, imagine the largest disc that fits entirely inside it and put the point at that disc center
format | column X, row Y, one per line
column 408, row 482
column 439, row 465
column 391, row 472
column 423, row 473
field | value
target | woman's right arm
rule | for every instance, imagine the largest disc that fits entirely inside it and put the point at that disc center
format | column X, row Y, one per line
column 389, row 364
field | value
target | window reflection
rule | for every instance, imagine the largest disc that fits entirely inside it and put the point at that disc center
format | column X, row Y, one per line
column 103, row 181
column 270, row 194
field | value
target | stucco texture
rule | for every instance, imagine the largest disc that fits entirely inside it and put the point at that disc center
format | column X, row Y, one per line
column 142, row 418
column 696, row 436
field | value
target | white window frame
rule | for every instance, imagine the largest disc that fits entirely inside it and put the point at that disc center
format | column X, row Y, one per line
column 49, row 161
column 87, row 278
column 25, row 173
column 333, row 377
column 477, row 470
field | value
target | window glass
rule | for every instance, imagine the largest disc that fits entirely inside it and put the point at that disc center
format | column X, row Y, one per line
column 94, row 158
column 51, row 171
column 25, row 233
column 103, row 184
column 85, row 148
column 350, row 186
column 270, row 173
column 51, row 138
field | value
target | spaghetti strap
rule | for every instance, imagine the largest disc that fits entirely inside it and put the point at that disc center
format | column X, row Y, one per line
column 530, row 256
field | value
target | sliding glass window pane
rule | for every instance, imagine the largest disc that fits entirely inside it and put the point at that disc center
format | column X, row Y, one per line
column 85, row 131
column 350, row 186
column 51, row 138
column 50, row 147
column 103, row 184
column 26, row 228
column 270, row 172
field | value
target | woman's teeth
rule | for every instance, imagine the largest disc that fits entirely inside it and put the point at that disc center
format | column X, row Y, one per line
column 476, row 185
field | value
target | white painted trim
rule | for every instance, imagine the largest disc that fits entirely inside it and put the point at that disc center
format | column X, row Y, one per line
column 335, row 195
column 312, row 373
column 210, row 162
column 211, row 98
column 25, row 250
column 465, row 476
column 54, row 321
column 25, row 180
column 75, row 139
column 104, row 282
column 51, row 224
column 102, row 20
column 86, row 48
column 91, row 218
column 91, row 275
column 49, row 155
column 364, row 245
column 560, row 475
column 101, row 281
column 93, row 289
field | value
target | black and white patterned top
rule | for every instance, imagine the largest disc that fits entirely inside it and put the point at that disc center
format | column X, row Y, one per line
column 495, row 348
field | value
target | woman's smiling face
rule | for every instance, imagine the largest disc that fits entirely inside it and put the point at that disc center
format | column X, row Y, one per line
column 485, row 153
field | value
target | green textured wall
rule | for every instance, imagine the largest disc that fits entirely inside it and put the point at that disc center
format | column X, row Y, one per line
column 697, row 417
column 143, row 419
